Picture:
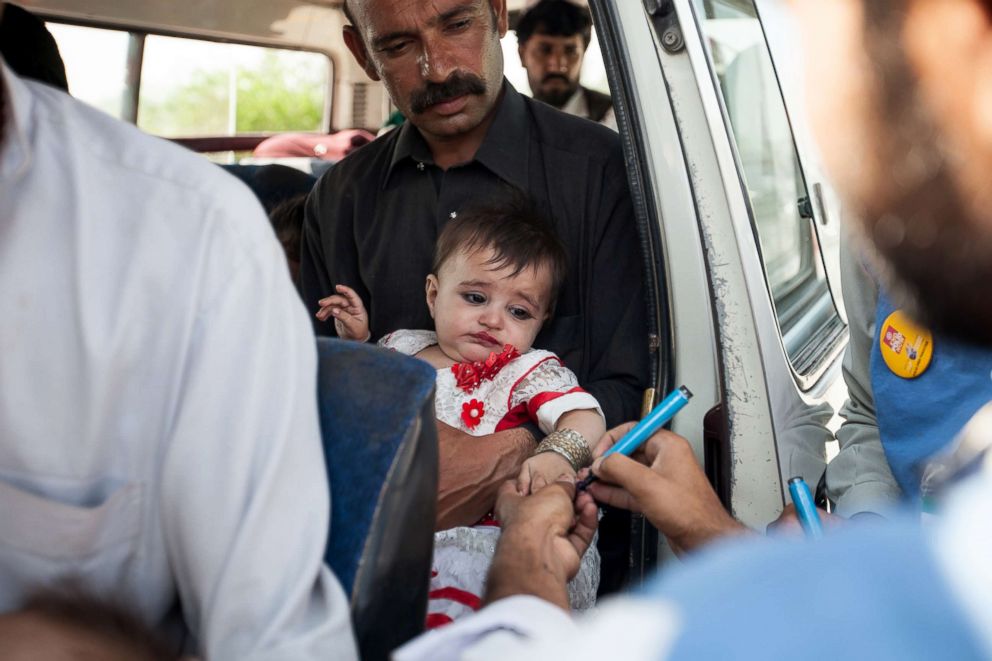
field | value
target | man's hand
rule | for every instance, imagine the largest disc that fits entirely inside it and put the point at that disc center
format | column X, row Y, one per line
column 544, row 538
column 665, row 482
column 351, row 321
column 473, row 468
column 541, row 470
column 788, row 522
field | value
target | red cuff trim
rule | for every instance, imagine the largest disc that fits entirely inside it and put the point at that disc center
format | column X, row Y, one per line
column 542, row 398
column 463, row 597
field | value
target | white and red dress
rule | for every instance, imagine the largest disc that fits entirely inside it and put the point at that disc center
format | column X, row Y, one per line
column 503, row 392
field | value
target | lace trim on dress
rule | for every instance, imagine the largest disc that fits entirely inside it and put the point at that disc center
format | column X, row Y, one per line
column 409, row 342
column 463, row 555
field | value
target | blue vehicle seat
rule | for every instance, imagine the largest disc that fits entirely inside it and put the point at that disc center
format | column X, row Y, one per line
column 380, row 446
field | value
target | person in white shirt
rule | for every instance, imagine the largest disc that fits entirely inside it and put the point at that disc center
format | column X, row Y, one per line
column 159, row 437
column 903, row 122
column 552, row 38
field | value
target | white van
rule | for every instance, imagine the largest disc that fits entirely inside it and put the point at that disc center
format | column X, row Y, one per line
column 738, row 237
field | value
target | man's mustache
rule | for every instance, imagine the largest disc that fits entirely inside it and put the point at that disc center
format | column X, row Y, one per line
column 457, row 84
column 556, row 76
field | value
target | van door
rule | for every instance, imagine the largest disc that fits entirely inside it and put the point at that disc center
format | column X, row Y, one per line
column 748, row 320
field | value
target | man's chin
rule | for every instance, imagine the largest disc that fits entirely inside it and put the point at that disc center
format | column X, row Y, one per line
column 448, row 125
column 555, row 97
column 445, row 127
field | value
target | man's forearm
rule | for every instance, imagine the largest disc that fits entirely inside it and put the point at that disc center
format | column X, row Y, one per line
column 472, row 470
column 523, row 565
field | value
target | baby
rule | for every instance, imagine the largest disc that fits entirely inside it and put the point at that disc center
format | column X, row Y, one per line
column 493, row 284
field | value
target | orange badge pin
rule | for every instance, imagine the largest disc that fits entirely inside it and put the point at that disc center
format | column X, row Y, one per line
column 906, row 346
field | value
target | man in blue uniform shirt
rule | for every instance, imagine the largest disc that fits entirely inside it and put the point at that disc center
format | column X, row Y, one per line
column 893, row 365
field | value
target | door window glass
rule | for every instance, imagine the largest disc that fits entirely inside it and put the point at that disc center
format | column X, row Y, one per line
column 95, row 64
column 769, row 167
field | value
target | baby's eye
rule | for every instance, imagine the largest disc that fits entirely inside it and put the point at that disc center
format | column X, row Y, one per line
column 520, row 314
column 475, row 298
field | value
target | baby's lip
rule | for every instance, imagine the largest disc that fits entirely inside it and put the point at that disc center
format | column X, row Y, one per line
column 486, row 338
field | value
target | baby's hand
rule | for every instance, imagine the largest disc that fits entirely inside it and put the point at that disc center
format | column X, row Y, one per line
column 351, row 321
column 541, row 470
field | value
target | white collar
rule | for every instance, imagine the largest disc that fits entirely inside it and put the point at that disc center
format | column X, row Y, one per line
column 576, row 104
column 15, row 151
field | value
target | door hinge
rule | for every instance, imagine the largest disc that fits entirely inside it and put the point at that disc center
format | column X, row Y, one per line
column 659, row 7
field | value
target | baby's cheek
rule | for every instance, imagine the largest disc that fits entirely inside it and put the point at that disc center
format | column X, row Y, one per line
column 528, row 340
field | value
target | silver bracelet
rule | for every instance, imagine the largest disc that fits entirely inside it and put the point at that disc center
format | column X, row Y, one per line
column 568, row 443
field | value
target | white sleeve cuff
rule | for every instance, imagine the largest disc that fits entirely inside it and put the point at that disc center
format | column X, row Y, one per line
column 549, row 412
column 521, row 616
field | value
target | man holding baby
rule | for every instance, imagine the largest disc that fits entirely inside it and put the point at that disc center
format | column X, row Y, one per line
column 373, row 220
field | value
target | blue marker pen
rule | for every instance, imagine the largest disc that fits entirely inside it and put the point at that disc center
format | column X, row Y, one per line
column 809, row 518
column 643, row 430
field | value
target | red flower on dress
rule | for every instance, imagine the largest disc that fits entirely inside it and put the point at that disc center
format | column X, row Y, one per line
column 472, row 412
column 468, row 376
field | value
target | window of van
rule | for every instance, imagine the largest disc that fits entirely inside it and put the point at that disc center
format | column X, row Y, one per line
column 179, row 87
column 195, row 88
column 95, row 62
column 773, row 180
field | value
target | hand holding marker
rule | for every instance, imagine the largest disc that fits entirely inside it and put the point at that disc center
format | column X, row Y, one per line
column 643, row 430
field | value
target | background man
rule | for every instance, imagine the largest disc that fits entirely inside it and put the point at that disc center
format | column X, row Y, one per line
column 159, row 435
column 372, row 221
column 902, row 102
column 552, row 38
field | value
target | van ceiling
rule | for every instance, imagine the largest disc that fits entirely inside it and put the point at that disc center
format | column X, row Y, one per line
column 310, row 24
column 512, row 5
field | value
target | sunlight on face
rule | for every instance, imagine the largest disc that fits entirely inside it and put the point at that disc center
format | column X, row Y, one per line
column 417, row 47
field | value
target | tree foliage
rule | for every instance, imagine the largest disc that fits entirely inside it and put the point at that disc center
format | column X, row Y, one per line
column 276, row 95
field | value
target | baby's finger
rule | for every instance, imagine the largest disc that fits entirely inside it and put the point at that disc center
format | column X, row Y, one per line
column 338, row 300
column 326, row 312
column 342, row 315
column 523, row 481
column 349, row 294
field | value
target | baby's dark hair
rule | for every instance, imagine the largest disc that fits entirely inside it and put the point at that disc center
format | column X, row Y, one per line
column 287, row 222
column 517, row 232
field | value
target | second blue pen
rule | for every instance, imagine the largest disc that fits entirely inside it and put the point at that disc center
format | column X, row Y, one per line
column 809, row 518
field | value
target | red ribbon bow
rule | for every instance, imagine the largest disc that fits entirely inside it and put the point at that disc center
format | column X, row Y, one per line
column 468, row 376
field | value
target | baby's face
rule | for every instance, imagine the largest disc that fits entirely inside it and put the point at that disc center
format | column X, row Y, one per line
column 478, row 309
